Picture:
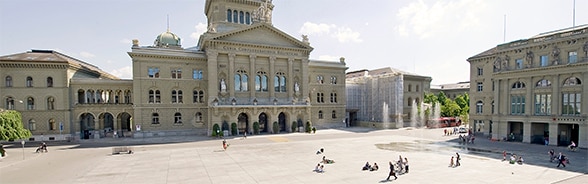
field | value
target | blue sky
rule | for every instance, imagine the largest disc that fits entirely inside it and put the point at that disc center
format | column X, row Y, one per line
column 427, row 37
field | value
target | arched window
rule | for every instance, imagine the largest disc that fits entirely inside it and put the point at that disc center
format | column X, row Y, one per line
column 29, row 82
column 30, row 103
column 128, row 97
column 409, row 101
column 518, row 85
column 333, row 80
column 333, row 97
column 334, row 114
column 178, row 118
column 280, row 82
column 50, row 103
column 177, row 96
column 261, row 81
column 241, row 80
column 52, row 124
column 8, row 81
column 572, row 81
column 81, row 96
column 543, row 83
column 320, row 114
column 320, row 97
column 10, row 103
column 479, row 106
column 229, row 15
column 157, row 96
column 151, row 96
column 198, row 117
column 154, row 118
column 49, row 82
column 320, row 79
column 32, row 125
column 235, row 16
column 241, row 17
column 247, row 18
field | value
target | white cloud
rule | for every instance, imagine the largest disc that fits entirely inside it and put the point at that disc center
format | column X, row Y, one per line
column 342, row 34
column 126, row 41
column 87, row 54
column 123, row 73
column 442, row 17
column 201, row 28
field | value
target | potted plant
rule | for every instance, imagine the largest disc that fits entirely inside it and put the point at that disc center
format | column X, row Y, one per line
column 234, row 129
column 308, row 126
column 215, row 130
column 294, row 125
column 276, row 128
column 256, row 127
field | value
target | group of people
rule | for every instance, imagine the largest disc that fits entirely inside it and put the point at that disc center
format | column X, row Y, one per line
column 320, row 167
column 455, row 160
column 467, row 139
column 513, row 158
column 368, row 167
column 401, row 167
column 562, row 160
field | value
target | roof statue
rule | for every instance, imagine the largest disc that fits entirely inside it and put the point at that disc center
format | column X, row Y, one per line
column 263, row 13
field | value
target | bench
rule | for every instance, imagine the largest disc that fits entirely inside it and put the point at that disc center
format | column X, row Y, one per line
column 122, row 149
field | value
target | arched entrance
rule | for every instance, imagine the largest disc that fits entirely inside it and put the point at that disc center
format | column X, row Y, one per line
column 263, row 122
column 106, row 123
column 86, row 125
column 243, row 123
column 282, row 122
column 124, row 125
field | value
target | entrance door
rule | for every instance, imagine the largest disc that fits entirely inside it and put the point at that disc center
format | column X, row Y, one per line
column 282, row 122
column 243, row 123
column 263, row 123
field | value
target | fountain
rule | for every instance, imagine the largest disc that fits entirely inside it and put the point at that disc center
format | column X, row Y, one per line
column 385, row 115
column 436, row 114
column 413, row 114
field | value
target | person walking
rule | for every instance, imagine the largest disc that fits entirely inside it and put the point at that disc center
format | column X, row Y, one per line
column 504, row 155
column 457, row 160
column 392, row 173
column 405, row 165
column 451, row 164
column 561, row 158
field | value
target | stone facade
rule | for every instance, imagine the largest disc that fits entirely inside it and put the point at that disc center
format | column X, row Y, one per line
column 243, row 71
column 533, row 89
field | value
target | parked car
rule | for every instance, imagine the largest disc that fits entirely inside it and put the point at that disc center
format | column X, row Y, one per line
column 463, row 130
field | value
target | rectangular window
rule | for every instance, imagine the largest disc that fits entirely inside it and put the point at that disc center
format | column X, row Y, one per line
column 197, row 74
column 153, row 72
column 572, row 57
column 571, row 104
column 480, row 87
column 480, row 71
column 517, row 105
column 544, row 60
column 519, row 63
column 176, row 73
column 542, row 104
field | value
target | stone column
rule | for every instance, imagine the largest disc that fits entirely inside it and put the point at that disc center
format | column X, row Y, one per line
column 553, row 134
column 290, row 79
column 526, row 131
column 271, row 74
column 230, row 76
column 251, row 77
column 304, row 84
column 555, row 96
column 529, row 98
column 212, row 75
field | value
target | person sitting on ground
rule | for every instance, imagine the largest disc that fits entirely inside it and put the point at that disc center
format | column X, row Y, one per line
column 321, row 169
column 374, row 167
column 366, row 167
column 320, row 151
column 520, row 160
column 317, row 167
column 327, row 161
column 513, row 158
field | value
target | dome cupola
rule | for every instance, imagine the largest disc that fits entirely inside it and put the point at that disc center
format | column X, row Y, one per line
column 167, row 39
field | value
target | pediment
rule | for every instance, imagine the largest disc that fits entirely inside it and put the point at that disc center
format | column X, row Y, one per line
column 262, row 34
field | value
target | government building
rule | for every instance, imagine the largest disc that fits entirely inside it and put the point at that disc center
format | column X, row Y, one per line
column 533, row 90
column 244, row 75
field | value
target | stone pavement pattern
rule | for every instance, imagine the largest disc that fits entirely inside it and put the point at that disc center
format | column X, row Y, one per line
column 288, row 158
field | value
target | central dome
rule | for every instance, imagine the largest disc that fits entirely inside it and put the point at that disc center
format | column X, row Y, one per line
column 167, row 39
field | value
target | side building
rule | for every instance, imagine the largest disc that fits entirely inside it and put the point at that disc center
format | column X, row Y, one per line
column 452, row 90
column 384, row 98
column 531, row 90
column 244, row 75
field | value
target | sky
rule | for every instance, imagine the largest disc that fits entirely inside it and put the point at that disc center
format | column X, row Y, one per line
column 427, row 37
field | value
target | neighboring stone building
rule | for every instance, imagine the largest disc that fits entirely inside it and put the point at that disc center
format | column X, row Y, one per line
column 452, row 90
column 531, row 89
column 384, row 97
column 242, row 71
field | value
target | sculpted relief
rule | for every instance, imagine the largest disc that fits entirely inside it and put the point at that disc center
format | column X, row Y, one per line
column 529, row 59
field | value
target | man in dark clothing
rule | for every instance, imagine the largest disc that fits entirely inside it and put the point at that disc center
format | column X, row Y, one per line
column 457, row 160
column 392, row 173
column 561, row 159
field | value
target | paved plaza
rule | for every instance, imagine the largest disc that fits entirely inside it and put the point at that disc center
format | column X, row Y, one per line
column 289, row 158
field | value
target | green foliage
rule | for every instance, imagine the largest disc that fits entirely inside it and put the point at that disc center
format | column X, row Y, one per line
column 294, row 126
column 256, row 127
column 11, row 127
column 308, row 126
column 234, row 129
column 215, row 129
column 450, row 109
column 441, row 98
column 430, row 98
column 276, row 127
column 464, row 103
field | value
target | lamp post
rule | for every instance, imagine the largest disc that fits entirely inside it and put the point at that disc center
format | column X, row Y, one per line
column 23, row 154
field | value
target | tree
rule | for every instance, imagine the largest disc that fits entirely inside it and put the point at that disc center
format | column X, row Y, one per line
column 450, row 109
column 441, row 98
column 464, row 103
column 430, row 98
column 11, row 127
